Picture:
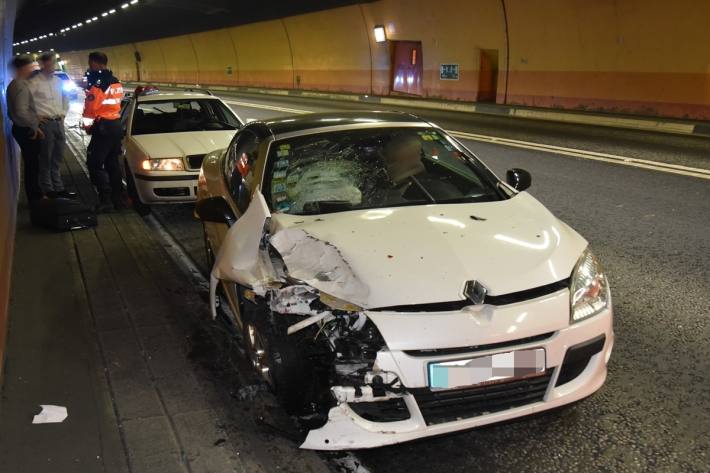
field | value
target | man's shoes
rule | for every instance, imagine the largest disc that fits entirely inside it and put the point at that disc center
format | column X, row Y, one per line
column 64, row 194
column 120, row 202
column 104, row 206
column 67, row 194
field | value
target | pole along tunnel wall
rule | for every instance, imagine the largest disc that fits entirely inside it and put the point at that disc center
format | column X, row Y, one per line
column 645, row 57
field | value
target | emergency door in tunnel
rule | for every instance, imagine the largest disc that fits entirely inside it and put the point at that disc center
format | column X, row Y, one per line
column 488, row 76
column 407, row 69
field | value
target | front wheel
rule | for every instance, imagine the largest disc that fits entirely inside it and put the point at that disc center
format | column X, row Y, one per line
column 278, row 359
column 136, row 204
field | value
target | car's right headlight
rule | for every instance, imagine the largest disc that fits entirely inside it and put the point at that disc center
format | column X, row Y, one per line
column 165, row 164
column 589, row 289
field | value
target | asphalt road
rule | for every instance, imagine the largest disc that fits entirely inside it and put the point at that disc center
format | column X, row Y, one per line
column 651, row 231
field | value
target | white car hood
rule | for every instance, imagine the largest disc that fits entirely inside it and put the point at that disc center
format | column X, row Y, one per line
column 178, row 145
column 425, row 254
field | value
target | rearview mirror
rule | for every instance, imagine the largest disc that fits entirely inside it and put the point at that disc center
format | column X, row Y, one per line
column 215, row 209
column 518, row 178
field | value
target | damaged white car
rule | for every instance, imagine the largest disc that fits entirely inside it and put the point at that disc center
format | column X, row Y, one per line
column 390, row 287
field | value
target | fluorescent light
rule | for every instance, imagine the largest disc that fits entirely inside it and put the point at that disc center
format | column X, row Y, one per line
column 124, row 6
column 112, row 11
column 88, row 20
column 73, row 27
column 51, row 34
column 133, row 2
column 104, row 14
column 95, row 18
column 380, row 34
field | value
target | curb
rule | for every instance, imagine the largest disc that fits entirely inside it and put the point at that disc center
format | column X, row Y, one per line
column 671, row 126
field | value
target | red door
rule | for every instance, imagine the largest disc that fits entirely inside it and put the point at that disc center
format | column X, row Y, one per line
column 407, row 68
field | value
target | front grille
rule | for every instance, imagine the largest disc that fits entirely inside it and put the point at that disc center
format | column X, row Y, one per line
column 194, row 161
column 438, row 407
column 503, row 299
column 390, row 410
column 474, row 348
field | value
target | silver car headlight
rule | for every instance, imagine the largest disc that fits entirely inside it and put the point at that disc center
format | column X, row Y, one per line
column 163, row 164
column 589, row 288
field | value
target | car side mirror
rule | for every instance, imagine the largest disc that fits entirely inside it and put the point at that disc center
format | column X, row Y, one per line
column 519, row 179
column 215, row 209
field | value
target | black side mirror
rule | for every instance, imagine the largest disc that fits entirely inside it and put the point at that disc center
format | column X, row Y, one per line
column 518, row 178
column 215, row 209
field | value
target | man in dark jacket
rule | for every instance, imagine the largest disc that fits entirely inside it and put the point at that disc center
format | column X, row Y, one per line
column 101, row 119
column 25, row 123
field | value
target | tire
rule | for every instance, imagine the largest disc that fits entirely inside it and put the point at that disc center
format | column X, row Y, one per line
column 141, row 208
column 290, row 373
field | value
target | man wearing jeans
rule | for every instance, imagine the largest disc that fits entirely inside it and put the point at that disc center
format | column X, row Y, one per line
column 52, row 105
column 25, row 124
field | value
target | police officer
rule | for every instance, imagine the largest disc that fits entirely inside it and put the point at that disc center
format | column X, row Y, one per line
column 101, row 120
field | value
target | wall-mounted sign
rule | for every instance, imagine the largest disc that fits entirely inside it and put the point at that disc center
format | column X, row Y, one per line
column 449, row 72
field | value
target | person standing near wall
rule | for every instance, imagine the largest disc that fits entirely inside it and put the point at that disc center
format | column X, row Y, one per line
column 102, row 109
column 52, row 106
column 25, row 123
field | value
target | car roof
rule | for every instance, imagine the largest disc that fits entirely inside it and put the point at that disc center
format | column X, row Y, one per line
column 176, row 95
column 310, row 121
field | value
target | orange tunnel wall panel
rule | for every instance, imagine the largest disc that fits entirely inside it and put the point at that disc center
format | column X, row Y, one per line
column 152, row 63
column 180, row 60
column 216, row 57
column 330, row 50
column 264, row 54
column 626, row 56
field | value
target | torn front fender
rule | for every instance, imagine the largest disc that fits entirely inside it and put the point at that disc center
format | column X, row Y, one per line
column 241, row 257
column 319, row 264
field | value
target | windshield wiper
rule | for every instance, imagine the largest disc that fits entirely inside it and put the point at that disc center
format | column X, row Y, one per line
column 223, row 123
column 419, row 184
column 316, row 207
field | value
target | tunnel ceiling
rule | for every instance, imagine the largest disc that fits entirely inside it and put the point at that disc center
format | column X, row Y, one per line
column 144, row 20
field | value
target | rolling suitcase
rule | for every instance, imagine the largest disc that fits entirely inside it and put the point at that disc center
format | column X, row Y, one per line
column 62, row 215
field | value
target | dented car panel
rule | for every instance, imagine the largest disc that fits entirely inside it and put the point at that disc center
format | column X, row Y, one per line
column 241, row 258
column 362, row 300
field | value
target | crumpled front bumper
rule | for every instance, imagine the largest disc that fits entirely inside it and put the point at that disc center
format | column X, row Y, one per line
column 347, row 430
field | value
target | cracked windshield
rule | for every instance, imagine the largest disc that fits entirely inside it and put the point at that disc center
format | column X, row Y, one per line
column 351, row 170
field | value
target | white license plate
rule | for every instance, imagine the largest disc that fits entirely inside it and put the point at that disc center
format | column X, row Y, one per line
column 486, row 369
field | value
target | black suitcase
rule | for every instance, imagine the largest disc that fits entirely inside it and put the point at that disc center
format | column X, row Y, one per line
column 62, row 214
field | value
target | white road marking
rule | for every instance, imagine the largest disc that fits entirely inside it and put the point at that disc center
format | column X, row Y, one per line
column 592, row 155
column 559, row 150
column 267, row 107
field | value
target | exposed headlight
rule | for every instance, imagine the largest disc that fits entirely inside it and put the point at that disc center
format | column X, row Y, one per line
column 168, row 164
column 589, row 288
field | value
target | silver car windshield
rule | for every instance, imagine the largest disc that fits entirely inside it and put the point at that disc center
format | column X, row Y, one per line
column 373, row 168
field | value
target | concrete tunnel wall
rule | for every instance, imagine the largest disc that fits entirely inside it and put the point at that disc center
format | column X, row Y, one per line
column 630, row 56
column 9, row 174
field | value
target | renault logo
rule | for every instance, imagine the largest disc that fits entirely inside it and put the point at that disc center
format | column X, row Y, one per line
column 475, row 292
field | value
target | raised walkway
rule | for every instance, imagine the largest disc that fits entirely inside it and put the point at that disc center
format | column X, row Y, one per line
column 104, row 323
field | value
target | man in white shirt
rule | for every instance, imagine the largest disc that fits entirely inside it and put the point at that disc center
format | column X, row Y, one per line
column 52, row 105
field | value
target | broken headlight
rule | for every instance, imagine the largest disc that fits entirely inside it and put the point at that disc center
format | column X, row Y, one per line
column 589, row 288
column 338, row 304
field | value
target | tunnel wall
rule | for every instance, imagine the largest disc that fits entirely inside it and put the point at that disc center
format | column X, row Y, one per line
column 627, row 56
column 9, row 172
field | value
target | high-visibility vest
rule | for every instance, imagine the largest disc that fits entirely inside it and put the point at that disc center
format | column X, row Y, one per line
column 102, row 104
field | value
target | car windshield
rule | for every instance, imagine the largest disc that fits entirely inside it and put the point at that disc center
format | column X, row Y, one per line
column 173, row 116
column 373, row 168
